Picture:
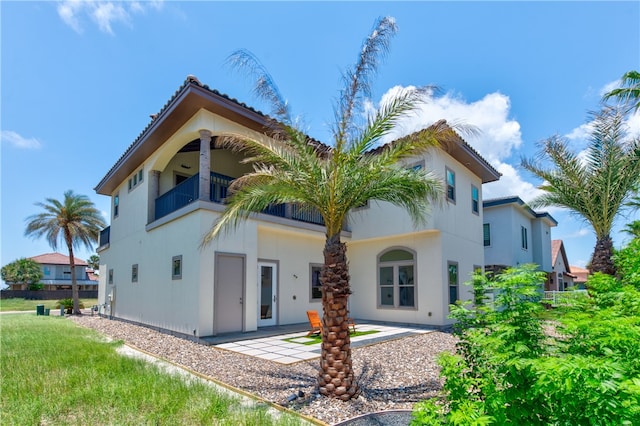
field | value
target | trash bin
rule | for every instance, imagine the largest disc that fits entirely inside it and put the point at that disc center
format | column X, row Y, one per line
column 46, row 312
column 39, row 309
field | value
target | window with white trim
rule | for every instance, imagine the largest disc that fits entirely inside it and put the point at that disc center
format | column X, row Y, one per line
column 452, row 269
column 475, row 200
column 486, row 234
column 314, row 282
column 116, row 205
column 524, row 239
column 176, row 267
column 396, row 279
column 451, row 185
column 136, row 179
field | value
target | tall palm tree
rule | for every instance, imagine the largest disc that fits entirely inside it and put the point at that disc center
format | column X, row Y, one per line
column 333, row 180
column 629, row 92
column 75, row 221
column 633, row 229
column 595, row 186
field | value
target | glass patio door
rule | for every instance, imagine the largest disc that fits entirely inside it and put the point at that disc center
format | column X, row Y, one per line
column 267, row 294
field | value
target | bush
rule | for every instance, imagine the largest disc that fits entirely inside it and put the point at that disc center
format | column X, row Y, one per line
column 35, row 287
column 68, row 304
column 513, row 367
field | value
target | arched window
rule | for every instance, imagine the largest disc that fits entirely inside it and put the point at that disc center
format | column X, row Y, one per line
column 396, row 279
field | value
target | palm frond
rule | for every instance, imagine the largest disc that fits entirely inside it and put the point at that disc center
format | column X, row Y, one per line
column 629, row 92
column 357, row 81
column 264, row 86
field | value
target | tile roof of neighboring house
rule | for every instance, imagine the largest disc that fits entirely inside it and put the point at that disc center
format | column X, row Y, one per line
column 557, row 248
column 581, row 273
column 514, row 199
column 201, row 96
column 56, row 259
column 92, row 274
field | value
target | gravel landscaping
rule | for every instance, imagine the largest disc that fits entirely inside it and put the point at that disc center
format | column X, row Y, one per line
column 393, row 375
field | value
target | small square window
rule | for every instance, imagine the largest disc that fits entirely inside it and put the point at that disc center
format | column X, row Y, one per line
column 134, row 273
column 176, row 267
column 110, row 276
column 316, row 286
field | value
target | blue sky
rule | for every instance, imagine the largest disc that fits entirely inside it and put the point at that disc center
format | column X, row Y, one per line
column 80, row 79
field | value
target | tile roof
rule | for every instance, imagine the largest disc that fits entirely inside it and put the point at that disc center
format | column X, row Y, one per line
column 56, row 259
column 192, row 85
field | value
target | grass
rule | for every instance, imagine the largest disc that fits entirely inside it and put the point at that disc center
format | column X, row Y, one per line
column 54, row 372
column 17, row 304
column 318, row 339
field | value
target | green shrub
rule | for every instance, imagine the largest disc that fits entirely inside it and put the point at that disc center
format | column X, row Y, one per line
column 68, row 304
column 513, row 367
column 35, row 286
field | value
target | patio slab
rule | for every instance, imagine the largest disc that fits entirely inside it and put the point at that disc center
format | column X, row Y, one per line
column 270, row 344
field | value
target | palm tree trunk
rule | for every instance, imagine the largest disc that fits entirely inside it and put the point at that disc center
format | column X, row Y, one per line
column 602, row 256
column 74, row 282
column 336, row 376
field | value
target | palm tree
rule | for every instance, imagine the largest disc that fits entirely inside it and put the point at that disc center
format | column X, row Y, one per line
column 332, row 181
column 629, row 92
column 633, row 229
column 75, row 221
column 595, row 186
column 94, row 262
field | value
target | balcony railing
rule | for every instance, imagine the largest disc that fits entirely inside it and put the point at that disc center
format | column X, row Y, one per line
column 188, row 191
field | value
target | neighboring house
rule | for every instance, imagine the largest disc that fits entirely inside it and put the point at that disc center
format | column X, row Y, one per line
column 514, row 234
column 581, row 276
column 560, row 277
column 169, row 186
column 56, row 273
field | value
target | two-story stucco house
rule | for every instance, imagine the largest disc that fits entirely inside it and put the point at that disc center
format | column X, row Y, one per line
column 514, row 235
column 56, row 273
column 168, row 188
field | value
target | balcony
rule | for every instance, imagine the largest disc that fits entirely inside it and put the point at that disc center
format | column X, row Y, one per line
column 188, row 191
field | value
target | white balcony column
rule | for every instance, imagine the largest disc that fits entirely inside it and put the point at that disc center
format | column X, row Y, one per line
column 205, row 165
column 154, row 192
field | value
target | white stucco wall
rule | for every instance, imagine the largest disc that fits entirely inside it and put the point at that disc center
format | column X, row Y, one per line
column 293, row 251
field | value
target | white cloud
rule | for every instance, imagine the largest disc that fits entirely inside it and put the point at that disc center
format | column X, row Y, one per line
column 103, row 14
column 510, row 183
column 609, row 87
column 634, row 125
column 19, row 141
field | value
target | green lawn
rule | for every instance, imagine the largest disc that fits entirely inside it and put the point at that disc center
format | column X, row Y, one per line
column 56, row 373
column 17, row 304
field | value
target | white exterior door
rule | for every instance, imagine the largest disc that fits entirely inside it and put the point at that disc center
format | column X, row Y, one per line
column 267, row 293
